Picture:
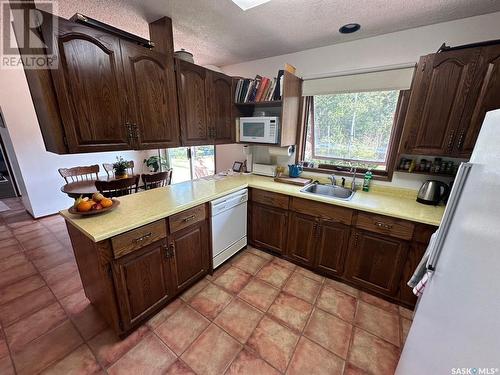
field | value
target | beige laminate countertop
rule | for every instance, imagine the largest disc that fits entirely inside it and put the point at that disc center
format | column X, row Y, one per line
column 148, row 206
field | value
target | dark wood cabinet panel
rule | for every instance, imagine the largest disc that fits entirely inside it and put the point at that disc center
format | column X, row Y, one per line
column 269, row 227
column 220, row 107
column 375, row 261
column 142, row 281
column 415, row 253
column 192, row 95
column 332, row 244
column 440, row 88
column 190, row 251
column 89, row 84
column 485, row 96
column 152, row 97
column 302, row 233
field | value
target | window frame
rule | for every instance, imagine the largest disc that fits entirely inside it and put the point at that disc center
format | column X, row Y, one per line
column 307, row 119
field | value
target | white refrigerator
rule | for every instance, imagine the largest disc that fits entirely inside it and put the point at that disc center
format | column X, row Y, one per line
column 456, row 328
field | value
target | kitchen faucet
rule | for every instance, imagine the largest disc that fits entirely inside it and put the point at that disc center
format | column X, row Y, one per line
column 353, row 183
column 333, row 179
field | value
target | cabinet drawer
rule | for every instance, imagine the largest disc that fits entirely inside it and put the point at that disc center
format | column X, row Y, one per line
column 323, row 210
column 186, row 218
column 137, row 238
column 386, row 225
column 270, row 199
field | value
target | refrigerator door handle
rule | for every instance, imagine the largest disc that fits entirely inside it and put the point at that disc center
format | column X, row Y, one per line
column 456, row 192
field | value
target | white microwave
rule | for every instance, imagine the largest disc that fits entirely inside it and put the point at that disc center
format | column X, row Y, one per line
column 259, row 129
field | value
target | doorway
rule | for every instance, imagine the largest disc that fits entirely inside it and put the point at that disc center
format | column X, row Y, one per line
column 8, row 186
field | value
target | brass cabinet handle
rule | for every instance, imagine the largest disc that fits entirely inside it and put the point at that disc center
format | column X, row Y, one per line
column 189, row 218
column 142, row 238
column 356, row 239
column 450, row 140
column 128, row 128
column 383, row 225
column 169, row 250
column 461, row 140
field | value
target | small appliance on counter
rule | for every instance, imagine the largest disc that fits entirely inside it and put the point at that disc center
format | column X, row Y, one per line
column 432, row 192
column 264, row 169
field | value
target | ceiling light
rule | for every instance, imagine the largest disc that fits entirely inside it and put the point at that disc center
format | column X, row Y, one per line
column 247, row 4
column 349, row 28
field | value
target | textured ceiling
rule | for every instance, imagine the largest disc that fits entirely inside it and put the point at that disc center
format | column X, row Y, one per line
column 218, row 32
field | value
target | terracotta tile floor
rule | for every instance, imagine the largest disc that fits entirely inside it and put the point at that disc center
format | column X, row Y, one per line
column 256, row 315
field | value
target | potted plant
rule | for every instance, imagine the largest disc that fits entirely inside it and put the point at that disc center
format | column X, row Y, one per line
column 154, row 163
column 120, row 167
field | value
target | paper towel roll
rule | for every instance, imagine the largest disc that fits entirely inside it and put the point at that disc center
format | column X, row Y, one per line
column 281, row 151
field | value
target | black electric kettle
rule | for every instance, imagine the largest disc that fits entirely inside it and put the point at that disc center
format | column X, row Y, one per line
column 432, row 192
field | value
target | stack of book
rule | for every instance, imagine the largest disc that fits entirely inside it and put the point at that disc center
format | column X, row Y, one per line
column 260, row 89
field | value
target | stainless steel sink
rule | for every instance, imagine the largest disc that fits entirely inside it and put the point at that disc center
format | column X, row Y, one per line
column 332, row 191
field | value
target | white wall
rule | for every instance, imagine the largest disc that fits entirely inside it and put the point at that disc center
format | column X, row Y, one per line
column 401, row 47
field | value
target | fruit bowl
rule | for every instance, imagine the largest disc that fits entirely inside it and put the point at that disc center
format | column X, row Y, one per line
column 73, row 210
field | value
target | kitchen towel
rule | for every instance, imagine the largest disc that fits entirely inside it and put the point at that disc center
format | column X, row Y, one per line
column 421, row 269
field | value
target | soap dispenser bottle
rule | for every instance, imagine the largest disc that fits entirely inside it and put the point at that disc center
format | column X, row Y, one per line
column 366, row 181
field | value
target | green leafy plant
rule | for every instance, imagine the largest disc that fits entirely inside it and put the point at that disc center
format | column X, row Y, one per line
column 120, row 166
column 155, row 163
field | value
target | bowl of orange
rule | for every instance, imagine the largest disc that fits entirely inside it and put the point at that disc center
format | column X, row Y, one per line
column 98, row 204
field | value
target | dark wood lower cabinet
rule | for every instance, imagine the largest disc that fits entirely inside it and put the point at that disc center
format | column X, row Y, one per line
column 130, row 277
column 269, row 227
column 331, row 247
column 375, row 261
column 302, row 232
column 190, row 251
column 142, row 282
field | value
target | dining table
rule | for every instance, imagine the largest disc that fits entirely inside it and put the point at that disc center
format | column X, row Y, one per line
column 84, row 188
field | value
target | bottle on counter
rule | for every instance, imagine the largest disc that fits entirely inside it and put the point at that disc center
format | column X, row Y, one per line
column 366, row 181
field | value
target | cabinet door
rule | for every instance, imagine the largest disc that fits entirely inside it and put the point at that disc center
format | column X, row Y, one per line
column 485, row 96
column 375, row 261
column 415, row 254
column 191, row 254
column 302, row 232
column 142, row 281
column 331, row 247
column 192, row 95
column 220, row 106
column 152, row 96
column 90, row 88
column 439, row 92
column 269, row 227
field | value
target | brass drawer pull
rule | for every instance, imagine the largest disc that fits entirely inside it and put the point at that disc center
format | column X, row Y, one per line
column 142, row 238
column 189, row 218
column 383, row 225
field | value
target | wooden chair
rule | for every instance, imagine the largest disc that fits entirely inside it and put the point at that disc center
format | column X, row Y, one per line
column 75, row 174
column 156, row 180
column 108, row 167
column 118, row 188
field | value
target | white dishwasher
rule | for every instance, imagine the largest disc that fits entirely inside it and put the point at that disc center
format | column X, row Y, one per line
column 229, row 225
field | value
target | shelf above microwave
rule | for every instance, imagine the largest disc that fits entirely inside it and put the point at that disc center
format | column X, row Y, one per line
column 272, row 103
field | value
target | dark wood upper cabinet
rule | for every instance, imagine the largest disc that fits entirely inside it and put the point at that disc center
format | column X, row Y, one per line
column 190, row 250
column 142, row 281
column 152, row 99
column 375, row 261
column 89, row 85
column 440, row 88
column 302, row 233
column 192, row 94
column 331, row 247
column 485, row 96
column 205, row 105
column 220, row 107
